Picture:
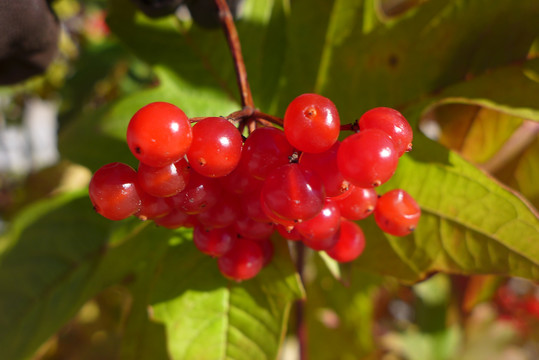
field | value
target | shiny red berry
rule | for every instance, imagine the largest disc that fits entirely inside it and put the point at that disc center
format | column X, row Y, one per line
column 164, row 181
column 368, row 158
column 322, row 226
column 311, row 123
column 391, row 122
column 350, row 242
column 216, row 147
column 359, row 204
column 113, row 191
column 243, row 261
column 292, row 193
column 397, row 213
column 324, row 165
column 265, row 149
column 159, row 134
column 213, row 242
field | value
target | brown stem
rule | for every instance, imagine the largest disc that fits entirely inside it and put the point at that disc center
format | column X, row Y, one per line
column 264, row 122
column 272, row 119
column 301, row 325
column 235, row 48
column 350, row 127
column 241, row 115
column 248, row 114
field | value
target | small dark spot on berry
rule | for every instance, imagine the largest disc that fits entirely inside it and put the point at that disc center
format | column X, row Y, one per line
column 310, row 112
column 138, row 150
column 376, row 183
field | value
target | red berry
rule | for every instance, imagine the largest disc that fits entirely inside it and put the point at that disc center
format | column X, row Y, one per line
column 213, row 242
column 322, row 226
column 265, row 149
column 113, row 191
column 350, row 242
column 243, row 261
column 163, row 181
column 391, row 122
column 368, row 158
column 324, row 165
column 292, row 193
column 159, row 134
column 273, row 217
column 239, row 181
column 320, row 244
column 176, row 219
column 288, row 232
column 216, row 147
column 152, row 207
column 224, row 213
column 252, row 229
column 397, row 213
column 200, row 194
column 359, row 204
column 252, row 206
column 311, row 123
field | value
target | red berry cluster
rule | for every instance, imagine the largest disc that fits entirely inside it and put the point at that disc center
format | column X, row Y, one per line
column 300, row 181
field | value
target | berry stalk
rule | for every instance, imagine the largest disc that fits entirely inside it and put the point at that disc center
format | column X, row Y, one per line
column 233, row 40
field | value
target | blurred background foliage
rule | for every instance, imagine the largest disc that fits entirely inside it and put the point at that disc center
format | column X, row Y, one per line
column 484, row 109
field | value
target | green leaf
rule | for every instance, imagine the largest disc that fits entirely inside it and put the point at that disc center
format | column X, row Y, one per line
column 44, row 274
column 527, row 173
column 59, row 254
column 490, row 90
column 143, row 338
column 208, row 317
column 480, row 136
column 85, row 142
column 437, row 44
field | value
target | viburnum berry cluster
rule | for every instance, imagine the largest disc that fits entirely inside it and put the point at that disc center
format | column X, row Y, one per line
column 235, row 192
